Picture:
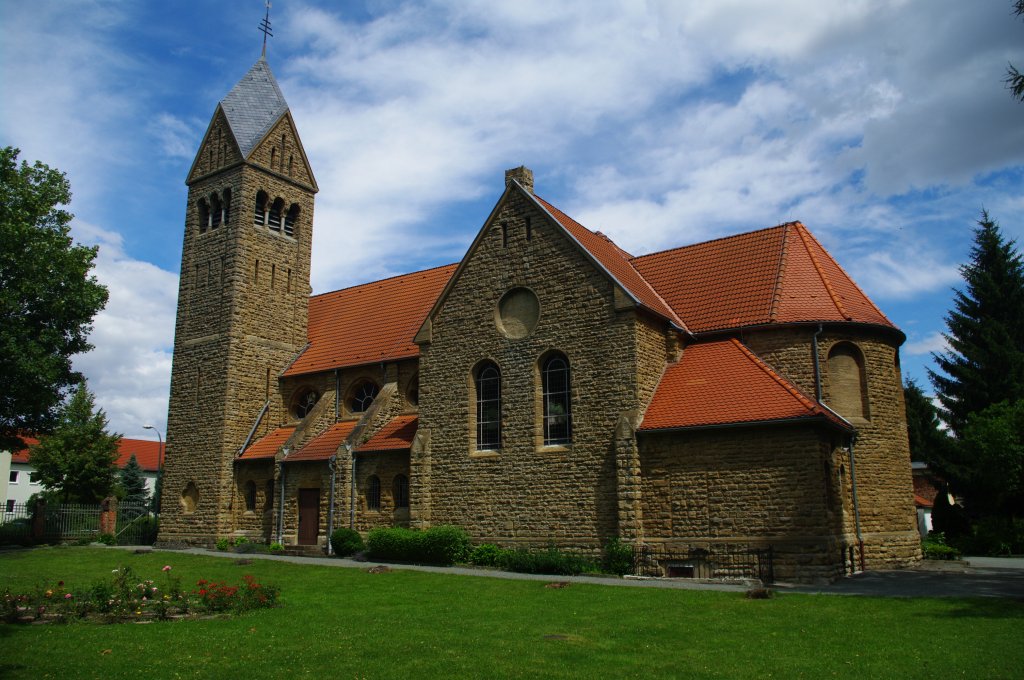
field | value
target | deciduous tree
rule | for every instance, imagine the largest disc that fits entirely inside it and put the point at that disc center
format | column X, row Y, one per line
column 47, row 297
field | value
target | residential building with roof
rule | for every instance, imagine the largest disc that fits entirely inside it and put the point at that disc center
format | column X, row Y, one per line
column 549, row 388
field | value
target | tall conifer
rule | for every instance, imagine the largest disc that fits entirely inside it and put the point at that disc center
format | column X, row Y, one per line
column 985, row 331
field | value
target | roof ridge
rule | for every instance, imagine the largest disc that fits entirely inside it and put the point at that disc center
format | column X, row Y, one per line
column 709, row 241
column 783, row 382
column 849, row 278
column 773, row 305
column 386, row 278
column 821, row 273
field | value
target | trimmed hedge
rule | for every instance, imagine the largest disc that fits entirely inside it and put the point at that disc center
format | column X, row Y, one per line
column 345, row 542
column 441, row 545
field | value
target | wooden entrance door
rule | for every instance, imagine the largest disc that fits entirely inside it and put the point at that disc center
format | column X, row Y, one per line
column 309, row 516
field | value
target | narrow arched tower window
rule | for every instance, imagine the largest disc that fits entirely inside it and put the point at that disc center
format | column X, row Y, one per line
column 204, row 215
column 487, row 382
column 274, row 218
column 226, row 206
column 215, row 211
column 290, row 219
column 557, row 402
column 260, row 214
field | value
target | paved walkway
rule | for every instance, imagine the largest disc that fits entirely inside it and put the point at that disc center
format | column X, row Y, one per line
column 973, row 577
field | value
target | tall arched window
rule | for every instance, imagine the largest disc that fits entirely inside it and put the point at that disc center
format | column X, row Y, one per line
column 260, row 214
column 487, row 382
column 847, row 382
column 373, row 493
column 400, row 491
column 274, row 217
column 556, row 395
column 290, row 219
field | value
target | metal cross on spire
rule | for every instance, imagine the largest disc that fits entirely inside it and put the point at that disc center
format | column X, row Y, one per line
column 265, row 29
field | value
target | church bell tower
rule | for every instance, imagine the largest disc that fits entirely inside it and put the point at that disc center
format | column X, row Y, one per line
column 242, row 299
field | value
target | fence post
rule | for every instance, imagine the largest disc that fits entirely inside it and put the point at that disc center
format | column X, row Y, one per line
column 108, row 515
column 39, row 520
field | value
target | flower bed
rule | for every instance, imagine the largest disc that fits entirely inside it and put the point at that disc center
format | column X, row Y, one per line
column 127, row 597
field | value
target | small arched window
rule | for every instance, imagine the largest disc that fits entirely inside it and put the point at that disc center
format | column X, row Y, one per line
column 274, row 218
column 290, row 219
column 260, row 214
column 362, row 395
column 487, row 383
column 373, row 493
column 305, row 402
column 215, row 211
column 204, row 215
column 268, row 501
column 412, row 391
column 556, row 395
column 847, row 382
column 400, row 491
column 273, row 158
column 250, row 496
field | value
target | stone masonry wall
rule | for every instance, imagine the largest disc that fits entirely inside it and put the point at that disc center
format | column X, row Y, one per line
column 526, row 493
column 881, row 458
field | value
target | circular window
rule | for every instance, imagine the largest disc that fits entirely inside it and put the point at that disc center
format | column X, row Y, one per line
column 363, row 395
column 190, row 498
column 305, row 403
column 412, row 394
column 517, row 314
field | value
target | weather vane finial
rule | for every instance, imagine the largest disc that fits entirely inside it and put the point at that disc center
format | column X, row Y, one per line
column 265, row 29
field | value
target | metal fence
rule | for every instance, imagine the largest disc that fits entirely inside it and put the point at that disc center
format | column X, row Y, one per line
column 135, row 523
column 723, row 562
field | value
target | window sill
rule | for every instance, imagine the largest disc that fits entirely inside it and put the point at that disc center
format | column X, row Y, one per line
column 554, row 448
column 485, row 455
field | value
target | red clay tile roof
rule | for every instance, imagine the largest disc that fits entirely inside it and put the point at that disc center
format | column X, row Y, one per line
column 325, row 445
column 776, row 275
column 267, row 446
column 369, row 323
column 147, row 453
column 922, row 502
column 616, row 262
column 724, row 383
column 395, row 436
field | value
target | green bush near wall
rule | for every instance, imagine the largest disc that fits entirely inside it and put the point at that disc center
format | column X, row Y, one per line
column 441, row 545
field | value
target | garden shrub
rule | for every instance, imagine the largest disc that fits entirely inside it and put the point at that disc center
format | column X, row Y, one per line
column 486, row 555
column 107, row 539
column 550, row 561
column 617, row 557
column 276, row 547
column 934, row 547
column 345, row 542
column 223, row 544
column 441, row 545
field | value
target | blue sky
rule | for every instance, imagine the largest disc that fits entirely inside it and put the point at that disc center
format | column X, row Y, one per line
column 883, row 126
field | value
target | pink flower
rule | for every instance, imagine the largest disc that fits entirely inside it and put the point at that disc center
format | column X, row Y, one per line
column 67, row 596
column 167, row 567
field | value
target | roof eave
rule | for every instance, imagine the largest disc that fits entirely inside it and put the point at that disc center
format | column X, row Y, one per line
column 819, row 418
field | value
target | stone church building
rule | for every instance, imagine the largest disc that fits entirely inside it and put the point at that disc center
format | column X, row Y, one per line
column 549, row 388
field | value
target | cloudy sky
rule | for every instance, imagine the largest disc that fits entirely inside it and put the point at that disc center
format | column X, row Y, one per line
column 882, row 125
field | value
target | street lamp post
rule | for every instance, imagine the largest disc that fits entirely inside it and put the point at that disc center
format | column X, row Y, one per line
column 159, row 466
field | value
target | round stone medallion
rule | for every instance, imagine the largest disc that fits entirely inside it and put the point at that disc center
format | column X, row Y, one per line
column 517, row 313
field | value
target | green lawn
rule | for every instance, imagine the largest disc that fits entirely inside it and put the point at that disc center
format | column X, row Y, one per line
column 346, row 623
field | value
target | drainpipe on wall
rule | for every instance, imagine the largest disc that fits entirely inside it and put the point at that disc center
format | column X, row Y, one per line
column 856, row 506
column 337, row 394
column 352, row 493
column 333, row 467
column 280, row 504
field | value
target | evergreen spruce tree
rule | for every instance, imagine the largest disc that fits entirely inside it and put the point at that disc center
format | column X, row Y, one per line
column 133, row 483
column 78, row 458
column 928, row 442
column 985, row 331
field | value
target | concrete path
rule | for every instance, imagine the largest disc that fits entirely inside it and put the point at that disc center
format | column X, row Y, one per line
column 972, row 577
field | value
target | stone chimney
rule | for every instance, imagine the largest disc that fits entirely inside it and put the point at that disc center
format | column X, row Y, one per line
column 523, row 175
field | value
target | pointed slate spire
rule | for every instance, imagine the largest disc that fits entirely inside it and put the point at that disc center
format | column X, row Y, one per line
column 253, row 106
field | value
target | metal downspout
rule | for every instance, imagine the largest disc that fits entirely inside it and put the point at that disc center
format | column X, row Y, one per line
column 352, row 493
column 337, row 394
column 856, row 506
column 332, row 466
column 280, row 504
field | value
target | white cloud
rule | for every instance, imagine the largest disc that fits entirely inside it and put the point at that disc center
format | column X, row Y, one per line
column 129, row 369
column 932, row 343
